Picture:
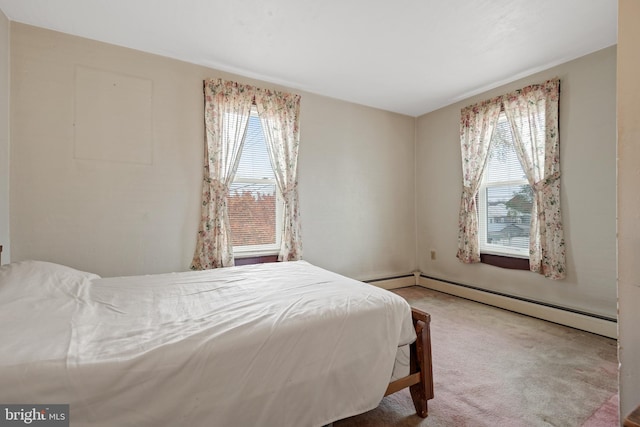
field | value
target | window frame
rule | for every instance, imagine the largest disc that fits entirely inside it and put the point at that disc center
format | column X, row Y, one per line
column 492, row 248
column 495, row 250
column 245, row 251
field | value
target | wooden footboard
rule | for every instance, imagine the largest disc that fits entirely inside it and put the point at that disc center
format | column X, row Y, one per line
column 420, row 378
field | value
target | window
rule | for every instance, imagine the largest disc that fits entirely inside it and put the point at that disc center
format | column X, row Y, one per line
column 495, row 224
column 254, row 203
column 505, row 198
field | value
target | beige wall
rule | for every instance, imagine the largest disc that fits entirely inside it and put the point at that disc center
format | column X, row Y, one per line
column 365, row 158
column 134, row 208
column 4, row 138
column 629, row 203
column 588, row 147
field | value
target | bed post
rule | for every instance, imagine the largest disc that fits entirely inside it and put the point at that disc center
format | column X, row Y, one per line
column 420, row 378
column 421, row 362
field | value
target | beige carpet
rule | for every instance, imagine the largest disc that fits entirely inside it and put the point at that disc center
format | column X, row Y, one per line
column 493, row 368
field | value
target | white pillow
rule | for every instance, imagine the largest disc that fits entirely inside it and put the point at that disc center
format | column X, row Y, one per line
column 41, row 277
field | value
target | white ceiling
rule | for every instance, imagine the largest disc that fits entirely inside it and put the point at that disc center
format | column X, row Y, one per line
column 407, row 56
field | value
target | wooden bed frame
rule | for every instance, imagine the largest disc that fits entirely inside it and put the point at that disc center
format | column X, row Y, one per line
column 420, row 378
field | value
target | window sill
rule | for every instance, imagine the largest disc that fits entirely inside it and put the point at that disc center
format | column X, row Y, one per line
column 255, row 259
column 508, row 262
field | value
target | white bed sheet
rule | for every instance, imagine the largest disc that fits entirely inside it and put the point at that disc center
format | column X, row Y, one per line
column 286, row 344
column 401, row 366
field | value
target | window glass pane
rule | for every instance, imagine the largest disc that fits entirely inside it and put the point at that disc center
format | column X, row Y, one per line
column 252, row 214
column 254, row 203
column 506, row 199
column 508, row 215
column 503, row 164
column 254, row 161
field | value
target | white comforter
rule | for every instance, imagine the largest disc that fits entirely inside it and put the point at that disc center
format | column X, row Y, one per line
column 286, row 344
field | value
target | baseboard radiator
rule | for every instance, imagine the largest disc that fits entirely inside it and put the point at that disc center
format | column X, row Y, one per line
column 584, row 321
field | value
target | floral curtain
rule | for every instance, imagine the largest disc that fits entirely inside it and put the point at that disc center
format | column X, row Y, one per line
column 226, row 115
column 533, row 115
column 477, row 123
column 279, row 113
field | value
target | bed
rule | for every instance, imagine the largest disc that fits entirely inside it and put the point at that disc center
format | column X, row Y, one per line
column 282, row 344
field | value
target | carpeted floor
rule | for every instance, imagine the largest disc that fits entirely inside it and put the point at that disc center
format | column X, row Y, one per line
column 492, row 368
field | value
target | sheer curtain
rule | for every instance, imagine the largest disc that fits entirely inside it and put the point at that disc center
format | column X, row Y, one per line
column 477, row 123
column 279, row 113
column 533, row 115
column 226, row 115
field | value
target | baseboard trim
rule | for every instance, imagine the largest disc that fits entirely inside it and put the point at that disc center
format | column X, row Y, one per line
column 393, row 282
column 580, row 321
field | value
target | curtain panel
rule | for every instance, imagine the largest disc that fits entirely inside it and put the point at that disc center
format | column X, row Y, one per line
column 280, row 116
column 532, row 113
column 477, row 123
column 227, row 108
